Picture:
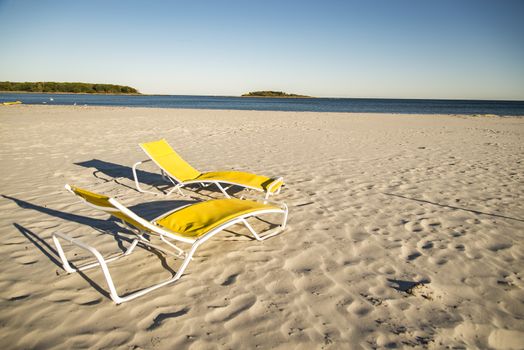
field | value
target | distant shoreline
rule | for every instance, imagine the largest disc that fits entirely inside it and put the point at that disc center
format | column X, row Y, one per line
column 70, row 93
column 65, row 87
column 278, row 96
column 273, row 94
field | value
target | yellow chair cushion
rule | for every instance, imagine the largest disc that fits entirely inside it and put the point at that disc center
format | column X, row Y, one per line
column 93, row 198
column 239, row 177
column 162, row 153
column 103, row 201
column 198, row 219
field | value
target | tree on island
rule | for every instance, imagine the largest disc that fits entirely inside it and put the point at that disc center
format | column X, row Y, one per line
column 271, row 94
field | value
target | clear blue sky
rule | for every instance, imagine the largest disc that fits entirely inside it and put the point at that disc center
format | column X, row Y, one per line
column 367, row 48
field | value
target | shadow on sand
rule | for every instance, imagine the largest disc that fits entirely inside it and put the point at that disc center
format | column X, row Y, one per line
column 117, row 171
column 405, row 286
column 148, row 211
column 52, row 254
column 109, row 226
column 454, row 207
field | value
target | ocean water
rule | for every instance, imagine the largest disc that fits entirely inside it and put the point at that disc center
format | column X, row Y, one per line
column 359, row 105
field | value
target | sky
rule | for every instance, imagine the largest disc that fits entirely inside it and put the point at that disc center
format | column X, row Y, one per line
column 456, row 49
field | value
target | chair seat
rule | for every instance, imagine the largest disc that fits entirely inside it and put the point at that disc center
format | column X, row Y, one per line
column 198, row 219
column 239, row 177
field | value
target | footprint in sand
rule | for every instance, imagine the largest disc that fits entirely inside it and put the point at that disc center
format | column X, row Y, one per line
column 359, row 308
column 413, row 256
column 410, row 254
column 19, row 297
column 413, row 226
column 427, row 245
column 230, row 280
column 163, row 316
column 460, row 247
column 495, row 247
column 237, row 306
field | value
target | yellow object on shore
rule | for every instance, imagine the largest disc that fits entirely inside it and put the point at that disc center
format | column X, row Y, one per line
column 12, row 103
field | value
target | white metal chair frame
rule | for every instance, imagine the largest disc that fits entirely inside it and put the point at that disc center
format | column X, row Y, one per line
column 178, row 184
column 164, row 235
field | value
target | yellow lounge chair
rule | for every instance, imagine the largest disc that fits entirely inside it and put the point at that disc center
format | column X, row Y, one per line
column 193, row 224
column 180, row 173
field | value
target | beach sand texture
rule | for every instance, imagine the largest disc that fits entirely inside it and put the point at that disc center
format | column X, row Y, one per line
column 404, row 231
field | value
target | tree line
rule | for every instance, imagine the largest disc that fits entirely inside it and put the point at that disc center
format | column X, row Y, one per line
column 270, row 94
column 87, row 88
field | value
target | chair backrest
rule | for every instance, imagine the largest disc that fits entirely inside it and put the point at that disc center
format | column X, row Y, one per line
column 168, row 160
column 103, row 203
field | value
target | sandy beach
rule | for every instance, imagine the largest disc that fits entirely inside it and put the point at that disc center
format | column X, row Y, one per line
column 404, row 231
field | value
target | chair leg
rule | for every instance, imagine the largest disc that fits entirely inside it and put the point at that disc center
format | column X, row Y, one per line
column 65, row 262
column 187, row 260
column 103, row 265
column 222, row 190
column 135, row 177
column 177, row 276
column 250, row 228
column 269, row 233
column 181, row 253
column 178, row 187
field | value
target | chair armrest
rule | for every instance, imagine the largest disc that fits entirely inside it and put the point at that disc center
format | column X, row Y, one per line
column 279, row 180
column 264, row 201
column 275, row 183
column 135, row 176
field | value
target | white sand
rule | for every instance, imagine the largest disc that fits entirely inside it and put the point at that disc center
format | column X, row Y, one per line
column 377, row 204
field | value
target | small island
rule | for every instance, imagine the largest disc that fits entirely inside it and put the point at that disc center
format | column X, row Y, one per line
column 272, row 94
column 74, row 88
